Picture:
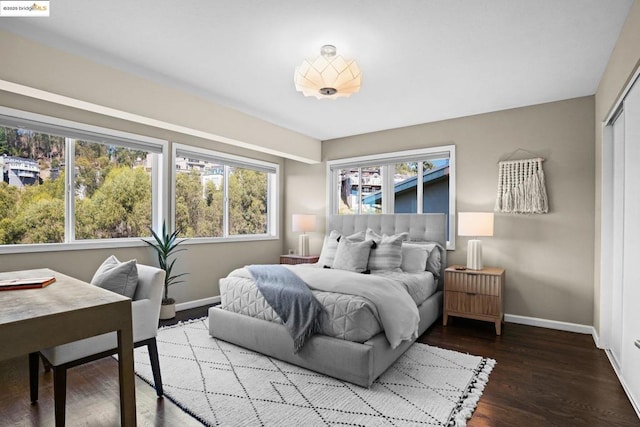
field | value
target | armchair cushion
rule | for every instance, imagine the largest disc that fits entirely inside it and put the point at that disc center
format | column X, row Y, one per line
column 116, row 276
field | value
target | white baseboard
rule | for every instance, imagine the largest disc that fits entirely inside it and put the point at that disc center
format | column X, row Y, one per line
column 549, row 324
column 197, row 303
column 614, row 365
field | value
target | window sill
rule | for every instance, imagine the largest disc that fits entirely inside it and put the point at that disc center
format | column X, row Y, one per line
column 119, row 243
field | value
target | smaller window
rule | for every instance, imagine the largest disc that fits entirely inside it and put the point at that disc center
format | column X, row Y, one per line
column 415, row 181
column 219, row 195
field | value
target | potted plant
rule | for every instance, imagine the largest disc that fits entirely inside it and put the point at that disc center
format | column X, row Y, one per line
column 165, row 246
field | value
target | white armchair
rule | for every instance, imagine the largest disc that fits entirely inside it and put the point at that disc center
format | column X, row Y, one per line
column 145, row 312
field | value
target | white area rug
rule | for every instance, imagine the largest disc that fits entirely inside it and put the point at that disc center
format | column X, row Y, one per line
column 222, row 384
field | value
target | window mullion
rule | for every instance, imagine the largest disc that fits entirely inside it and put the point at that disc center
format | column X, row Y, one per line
column 388, row 196
column 420, row 187
column 225, row 207
column 69, row 194
column 359, row 191
column 156, row 188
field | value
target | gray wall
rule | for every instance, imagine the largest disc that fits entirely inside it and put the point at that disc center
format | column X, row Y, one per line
column 548, row 258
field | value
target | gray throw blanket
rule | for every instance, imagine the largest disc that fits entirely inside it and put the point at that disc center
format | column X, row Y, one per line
column 291, row 298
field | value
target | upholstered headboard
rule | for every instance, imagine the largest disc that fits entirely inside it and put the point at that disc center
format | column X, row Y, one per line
column 431, row 227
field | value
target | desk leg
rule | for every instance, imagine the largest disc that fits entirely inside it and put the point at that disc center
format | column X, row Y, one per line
column 127, row 379
column 34, row 359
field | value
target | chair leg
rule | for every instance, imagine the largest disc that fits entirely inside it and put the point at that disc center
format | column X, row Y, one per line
column 33, row 375
column 155, row 365
column 59, row 393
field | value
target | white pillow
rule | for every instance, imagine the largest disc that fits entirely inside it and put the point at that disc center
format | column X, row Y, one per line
column 387, row 255
column 330, row 245
column 414, row 257
column 352, row 255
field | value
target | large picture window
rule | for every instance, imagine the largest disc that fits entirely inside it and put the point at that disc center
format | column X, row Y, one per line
column 415, row 181
column 218, row 195
column 65, row 182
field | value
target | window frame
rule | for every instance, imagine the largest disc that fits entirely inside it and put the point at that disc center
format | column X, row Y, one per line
column 228, row 161
column 72, row 131
column 386, row 161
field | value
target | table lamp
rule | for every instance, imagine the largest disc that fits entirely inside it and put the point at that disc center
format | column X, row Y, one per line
column 303, row 223
column 475, row 224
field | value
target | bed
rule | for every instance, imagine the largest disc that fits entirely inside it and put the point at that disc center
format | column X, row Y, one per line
column 354, row 354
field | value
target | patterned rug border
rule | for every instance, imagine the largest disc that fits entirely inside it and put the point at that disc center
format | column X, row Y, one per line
column 165, row 394
column 458, row 417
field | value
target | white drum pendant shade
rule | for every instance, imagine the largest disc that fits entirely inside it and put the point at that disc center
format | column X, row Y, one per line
column 328, row 76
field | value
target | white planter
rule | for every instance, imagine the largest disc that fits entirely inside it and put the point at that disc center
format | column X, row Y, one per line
column 167, row 311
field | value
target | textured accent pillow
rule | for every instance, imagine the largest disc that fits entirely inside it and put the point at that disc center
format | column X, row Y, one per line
column 434, row 262
column 330, row 246
column 414, row 257
column 352, row 255
column 116, row 276
column 387, row 254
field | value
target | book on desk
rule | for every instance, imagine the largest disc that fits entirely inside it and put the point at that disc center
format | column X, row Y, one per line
column 26, row 283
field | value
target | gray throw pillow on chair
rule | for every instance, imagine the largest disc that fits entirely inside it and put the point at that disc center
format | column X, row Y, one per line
column 116, row 276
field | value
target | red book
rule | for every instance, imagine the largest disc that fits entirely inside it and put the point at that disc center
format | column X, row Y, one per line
column 31, row 283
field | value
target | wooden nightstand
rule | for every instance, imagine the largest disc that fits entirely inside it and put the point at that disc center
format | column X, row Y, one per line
column 474, row 294
column 299, row 259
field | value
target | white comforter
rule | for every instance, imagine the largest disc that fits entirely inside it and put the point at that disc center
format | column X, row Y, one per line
column 396, row 310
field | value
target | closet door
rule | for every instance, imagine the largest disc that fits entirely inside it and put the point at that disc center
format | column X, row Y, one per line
column 631, row 259
column 617, row 253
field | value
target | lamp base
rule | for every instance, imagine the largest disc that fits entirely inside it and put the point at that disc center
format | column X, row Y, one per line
column 303, row 245
column 474, row 255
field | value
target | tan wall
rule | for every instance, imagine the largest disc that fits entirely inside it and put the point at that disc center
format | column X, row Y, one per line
column 548, row 258
column 623, row 63
column 206, row 263
column 41, row 67
column 74, row 76
column 304, row 194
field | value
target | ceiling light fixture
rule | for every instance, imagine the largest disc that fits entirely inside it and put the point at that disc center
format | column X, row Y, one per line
column 328, row 76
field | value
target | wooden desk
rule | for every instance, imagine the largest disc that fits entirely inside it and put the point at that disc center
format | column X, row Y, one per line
column 67, row 310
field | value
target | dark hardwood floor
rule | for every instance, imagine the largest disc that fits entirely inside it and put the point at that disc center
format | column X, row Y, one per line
column 542, row 378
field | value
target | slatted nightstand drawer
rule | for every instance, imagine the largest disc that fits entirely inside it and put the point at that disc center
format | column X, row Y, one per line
column 463, row 302
column 462, row 281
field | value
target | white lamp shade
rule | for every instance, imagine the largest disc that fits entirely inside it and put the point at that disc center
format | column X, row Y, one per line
column 328, row 76
column 303, row 223
column 475, row 224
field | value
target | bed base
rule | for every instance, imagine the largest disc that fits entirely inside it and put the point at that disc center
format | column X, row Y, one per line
column 356, row 363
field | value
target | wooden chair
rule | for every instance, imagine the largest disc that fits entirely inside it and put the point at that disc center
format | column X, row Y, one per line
column 145, row 312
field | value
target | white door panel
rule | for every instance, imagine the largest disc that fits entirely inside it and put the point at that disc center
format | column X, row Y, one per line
column 631, row 260
column 618, row 241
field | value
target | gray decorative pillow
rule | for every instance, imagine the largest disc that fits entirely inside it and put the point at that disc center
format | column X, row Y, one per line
column 116, row 276
column 387, row 255
column 414, row 257
column 352, row 256
column 330, row 246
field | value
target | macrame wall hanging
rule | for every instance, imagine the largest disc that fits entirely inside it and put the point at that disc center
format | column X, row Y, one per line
column 521, row 187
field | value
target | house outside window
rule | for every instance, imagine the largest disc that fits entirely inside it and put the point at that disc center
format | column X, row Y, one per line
column 413, row 181
column 65, row 182
column 221, row 196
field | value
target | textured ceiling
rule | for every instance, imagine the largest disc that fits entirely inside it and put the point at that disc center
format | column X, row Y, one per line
column 421, row 61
